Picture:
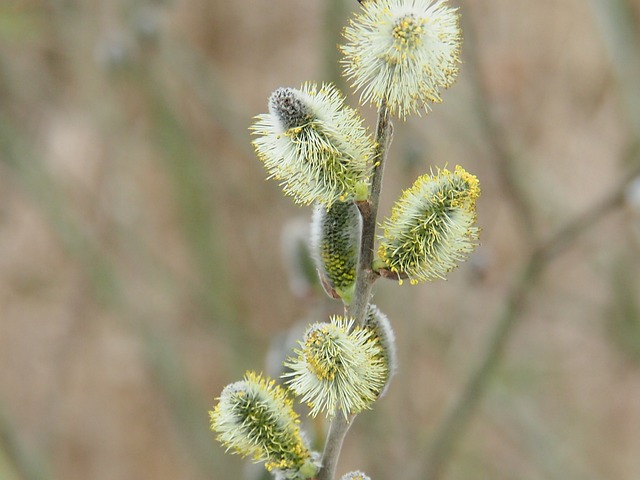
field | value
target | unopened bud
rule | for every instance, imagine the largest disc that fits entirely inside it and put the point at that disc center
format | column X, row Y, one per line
column 335, row 243
column 357, row 475
column 379, row 323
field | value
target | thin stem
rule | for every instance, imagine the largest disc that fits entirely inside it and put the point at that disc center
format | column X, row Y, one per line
column 365, row 278
column 455, row 422
column 337, row 433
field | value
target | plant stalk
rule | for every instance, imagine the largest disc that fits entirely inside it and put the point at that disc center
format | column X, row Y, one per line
column 365, row 278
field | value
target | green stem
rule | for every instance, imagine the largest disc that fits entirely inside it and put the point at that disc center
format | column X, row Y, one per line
column 365, row 278
column 335, row 438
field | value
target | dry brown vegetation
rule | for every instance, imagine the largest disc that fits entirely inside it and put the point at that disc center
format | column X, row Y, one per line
column 140, row 260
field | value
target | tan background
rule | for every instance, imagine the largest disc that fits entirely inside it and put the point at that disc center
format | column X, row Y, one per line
column 140, row 251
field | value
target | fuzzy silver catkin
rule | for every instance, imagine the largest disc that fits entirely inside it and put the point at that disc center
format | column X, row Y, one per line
column 403, row 53
column 314, row 144
column 338, row 368
column 289, row 107
column 254, row 417
column 383, row 334
column 432, row 226
column 357, row 475
column 335, row 242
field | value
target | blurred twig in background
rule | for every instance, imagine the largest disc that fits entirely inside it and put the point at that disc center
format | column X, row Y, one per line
column 102, row 268
column 165, row 232
column 453, row 425
column 508, row 165
column 105, row 283
column 620, row 34
column 25, row 463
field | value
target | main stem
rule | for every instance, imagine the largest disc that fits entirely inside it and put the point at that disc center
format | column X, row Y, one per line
column 365, row 278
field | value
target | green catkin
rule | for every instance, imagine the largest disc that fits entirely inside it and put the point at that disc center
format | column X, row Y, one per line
column 254, row 417
column 335, row 242
column 383, row 335
column 432, row 226
column 314, row 144
column 338, row 368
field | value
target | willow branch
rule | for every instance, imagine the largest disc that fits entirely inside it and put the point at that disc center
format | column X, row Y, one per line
column 365, row 278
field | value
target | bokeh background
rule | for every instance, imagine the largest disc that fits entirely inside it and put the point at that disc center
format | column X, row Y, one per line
column 143, row 267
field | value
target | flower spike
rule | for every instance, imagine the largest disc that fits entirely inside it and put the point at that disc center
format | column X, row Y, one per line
column 432, row 226
column 403, row 52
column 314, row 144
column 383, row 334
column 335, row 241
column 338, row 367
column 357, row 475
column 254, row 417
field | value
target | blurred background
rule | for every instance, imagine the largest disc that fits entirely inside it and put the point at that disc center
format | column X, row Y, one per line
column 145, row 262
